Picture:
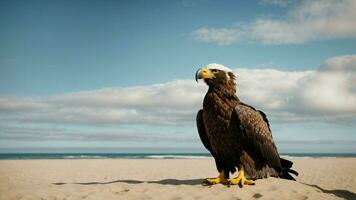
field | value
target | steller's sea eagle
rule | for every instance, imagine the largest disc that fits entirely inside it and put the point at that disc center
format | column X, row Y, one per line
column 236, row 134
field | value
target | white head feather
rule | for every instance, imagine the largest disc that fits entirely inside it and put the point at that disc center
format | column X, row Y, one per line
column 220, row 67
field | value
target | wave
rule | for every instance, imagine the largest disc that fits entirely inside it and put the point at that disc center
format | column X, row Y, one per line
column 84, row 157
column 291, row 157
column 178, row 156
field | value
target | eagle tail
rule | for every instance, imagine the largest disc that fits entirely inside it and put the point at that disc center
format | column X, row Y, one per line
column 286, row 170
column 286, row 163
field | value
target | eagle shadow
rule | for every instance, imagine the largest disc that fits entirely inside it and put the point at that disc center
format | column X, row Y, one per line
column 345, row 194
column 162, row 182
column 348, row 195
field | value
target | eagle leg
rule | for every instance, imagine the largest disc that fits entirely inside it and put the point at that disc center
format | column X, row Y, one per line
column 241, row 179
column 220, row 179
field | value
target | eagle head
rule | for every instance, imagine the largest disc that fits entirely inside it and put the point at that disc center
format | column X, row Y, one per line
column 215, row 75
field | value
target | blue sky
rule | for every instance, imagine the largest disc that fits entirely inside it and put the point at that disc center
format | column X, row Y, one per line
column 94, row 74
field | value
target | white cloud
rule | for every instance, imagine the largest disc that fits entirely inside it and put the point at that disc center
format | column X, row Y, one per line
column 221, row 36
column 268, row 88
column 277, row 2
column 65, row 134
column 326, row 94
column 15, row 104
column 308, row 21
column 333, row 89
column 170, row 103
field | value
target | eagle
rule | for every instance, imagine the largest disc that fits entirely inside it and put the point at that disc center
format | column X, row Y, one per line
column 236, row 134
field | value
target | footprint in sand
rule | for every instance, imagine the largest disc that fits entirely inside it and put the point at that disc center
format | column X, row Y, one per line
column 257, row 195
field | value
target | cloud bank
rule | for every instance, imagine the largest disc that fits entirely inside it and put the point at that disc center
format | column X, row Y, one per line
column 328, row 94
column 310, row 20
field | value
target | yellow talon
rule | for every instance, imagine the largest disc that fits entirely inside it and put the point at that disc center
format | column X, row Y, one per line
column 220, row 179
column 241, row 180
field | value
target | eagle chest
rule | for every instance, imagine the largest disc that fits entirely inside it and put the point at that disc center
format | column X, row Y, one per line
column 220, row 133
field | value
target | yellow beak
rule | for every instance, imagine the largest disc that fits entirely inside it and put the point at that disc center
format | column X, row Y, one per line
column 204, row 73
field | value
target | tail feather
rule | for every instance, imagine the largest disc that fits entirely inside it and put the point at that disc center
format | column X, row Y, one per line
column 286, row 166
column 286, row 175
column 286, row 163
column 293, row 172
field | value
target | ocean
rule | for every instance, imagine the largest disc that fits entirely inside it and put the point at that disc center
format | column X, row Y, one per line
column 31, row 156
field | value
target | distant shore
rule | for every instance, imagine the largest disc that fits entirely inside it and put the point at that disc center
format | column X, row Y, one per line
column 320, row 178
column 30, row 156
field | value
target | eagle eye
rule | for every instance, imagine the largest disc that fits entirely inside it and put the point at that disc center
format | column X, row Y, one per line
column 214, row 70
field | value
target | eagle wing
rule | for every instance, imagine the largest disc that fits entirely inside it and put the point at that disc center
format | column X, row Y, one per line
column 202, row 131
column 205, row 140
column 254, row 127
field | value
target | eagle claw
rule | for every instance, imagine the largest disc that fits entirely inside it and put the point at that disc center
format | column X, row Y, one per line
column 241, row 180
column 213, row 181
column 220, row 179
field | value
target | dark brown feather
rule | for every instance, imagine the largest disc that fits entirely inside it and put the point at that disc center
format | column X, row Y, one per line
column 258, row 141
column 202, row 131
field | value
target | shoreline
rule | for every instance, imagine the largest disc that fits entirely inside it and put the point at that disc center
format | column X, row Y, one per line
column 45, row 156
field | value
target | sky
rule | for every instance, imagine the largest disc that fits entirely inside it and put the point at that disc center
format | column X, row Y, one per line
column 118, row 76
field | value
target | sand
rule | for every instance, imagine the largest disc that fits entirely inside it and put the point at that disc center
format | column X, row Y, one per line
column 322, row 178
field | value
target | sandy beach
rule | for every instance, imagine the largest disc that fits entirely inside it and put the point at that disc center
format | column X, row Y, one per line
column 321, row 178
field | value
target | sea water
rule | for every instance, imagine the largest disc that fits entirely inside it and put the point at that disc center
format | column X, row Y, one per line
column 30, row 156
